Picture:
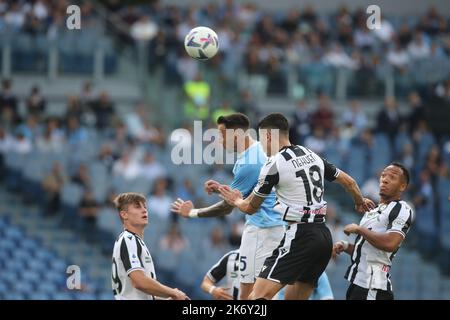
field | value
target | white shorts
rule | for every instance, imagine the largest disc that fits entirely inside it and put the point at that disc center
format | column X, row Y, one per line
column 257, row 244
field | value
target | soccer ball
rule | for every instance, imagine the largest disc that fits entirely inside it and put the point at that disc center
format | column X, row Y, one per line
column 201, row 43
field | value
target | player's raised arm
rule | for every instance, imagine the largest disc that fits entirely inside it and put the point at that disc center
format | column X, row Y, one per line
column 361, row 204
column 234, row 198
column 186, row 209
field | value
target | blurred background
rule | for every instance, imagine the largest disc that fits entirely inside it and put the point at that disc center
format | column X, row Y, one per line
column 86, row 114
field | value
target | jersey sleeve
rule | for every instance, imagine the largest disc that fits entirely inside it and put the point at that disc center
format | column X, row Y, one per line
column 219, row 270
column 246, row 178
column 130, row 255
column 331, row 172
column 400, row 219
column 268, row 178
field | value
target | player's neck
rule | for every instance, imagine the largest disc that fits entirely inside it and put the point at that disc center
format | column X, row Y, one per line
column 248, row 141
column 387, row 200
column 136, row 230
column 284, row 142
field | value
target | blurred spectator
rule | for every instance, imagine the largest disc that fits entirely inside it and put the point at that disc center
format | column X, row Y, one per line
column 398, row 57
column 235, row 235
column 300, row 127
column 35, row 102
column 407, row 156
column 21, row 144
column 216, row 241
column 15, row 16
column 152, row 169
column 8, row 101
column 126, row 167
column 355, row 117
column 433, row 22
column 338, row 58
column 143, row 29
column 248, row 106
column 386, row 31
column 419, row 48
column 87, row 95
column 49, row 142
column 74, row 107
column 323, row 116
column 103, row 109
column 173, row 240
column 316, row 142
column 5, row 147
column 76, row 134
column 82, row 177
column 52, row 185
column 159, row 202
column 417, row 111
column 31, row 129
column 388, row 120
column 89, row 210
column 198, row 94
column 106, row 156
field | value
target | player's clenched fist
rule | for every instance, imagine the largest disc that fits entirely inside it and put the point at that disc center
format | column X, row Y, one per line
column 212, row 186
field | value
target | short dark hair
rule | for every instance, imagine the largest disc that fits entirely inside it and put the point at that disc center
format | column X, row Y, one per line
column 235, row 121
column 275, row 121
column 404, row 170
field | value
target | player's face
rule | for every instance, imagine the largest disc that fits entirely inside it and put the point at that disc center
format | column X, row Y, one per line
column 391, row 181
column 137, row 214
column 227, row 138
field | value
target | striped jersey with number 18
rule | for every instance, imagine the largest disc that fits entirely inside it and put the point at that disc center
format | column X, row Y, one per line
column 297, row 174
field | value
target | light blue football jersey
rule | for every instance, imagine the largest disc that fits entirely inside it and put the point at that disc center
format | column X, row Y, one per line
column 246, row 173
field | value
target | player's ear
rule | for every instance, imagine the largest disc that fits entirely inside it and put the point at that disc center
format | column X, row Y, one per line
column 123, row 214
column 403, row 186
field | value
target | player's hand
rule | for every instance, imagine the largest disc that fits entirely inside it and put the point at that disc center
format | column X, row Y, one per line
column 231, row 196
column 351, row 228
column 338, row 248
column 182, row 207
column 220, row 293
column 365, row 206
column 179, row 295
column 212, row 186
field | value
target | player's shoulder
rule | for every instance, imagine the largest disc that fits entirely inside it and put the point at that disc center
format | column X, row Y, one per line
column 127, row 236
column 406, row 207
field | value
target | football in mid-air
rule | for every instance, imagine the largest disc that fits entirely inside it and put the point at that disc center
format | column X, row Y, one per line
column 201, row 43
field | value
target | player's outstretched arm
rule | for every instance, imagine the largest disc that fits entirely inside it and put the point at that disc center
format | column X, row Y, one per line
column 234, row 197
column 218, row 293
column 186, row 209
column 387, row 241
column 150, row 286
column 361, row 204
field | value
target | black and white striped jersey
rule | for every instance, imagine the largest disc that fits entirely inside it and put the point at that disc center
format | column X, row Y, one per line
column 297, row 174
column 370, row 266
column 130, row 254
column 227, row 268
